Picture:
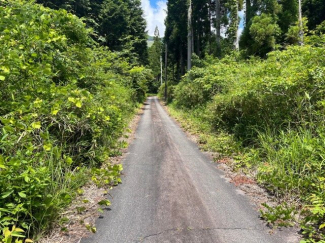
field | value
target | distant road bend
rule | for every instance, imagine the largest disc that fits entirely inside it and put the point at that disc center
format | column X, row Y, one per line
column 171, row 192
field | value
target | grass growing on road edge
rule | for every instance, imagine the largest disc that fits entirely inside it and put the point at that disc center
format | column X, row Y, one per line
column 269, row 115
column 240, row 159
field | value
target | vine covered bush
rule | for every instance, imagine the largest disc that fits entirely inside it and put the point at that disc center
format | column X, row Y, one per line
column 64, row 102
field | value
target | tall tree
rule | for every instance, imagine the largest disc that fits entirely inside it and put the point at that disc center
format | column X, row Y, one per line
column 137, row 31
column 267, row 23
column 218, row 27
column 201, row 25
column 118, row 24
column 189, row 29
column 301, row 31
column 314, row 10
column 176, row 36
column 155, row 52
column 190, row 41
column 114, row 21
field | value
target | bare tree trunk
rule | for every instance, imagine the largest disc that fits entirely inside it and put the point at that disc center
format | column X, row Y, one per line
column 189, row 37
column 192, row 31
column 218, row 27
column 301, row 30
column 161, row 71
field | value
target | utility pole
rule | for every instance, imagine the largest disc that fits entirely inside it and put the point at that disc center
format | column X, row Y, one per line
column 166, row 72
column 301, row 30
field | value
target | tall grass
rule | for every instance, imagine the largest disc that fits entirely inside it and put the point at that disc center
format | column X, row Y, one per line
column 273, row 113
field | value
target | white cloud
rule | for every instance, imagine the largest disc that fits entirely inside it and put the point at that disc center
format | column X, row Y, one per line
column 155, row 16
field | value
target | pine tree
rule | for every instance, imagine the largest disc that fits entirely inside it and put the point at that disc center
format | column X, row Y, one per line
column 176, row 35
column 137, row 31
column 118, row 24
column 155, row 52
column 114, row 21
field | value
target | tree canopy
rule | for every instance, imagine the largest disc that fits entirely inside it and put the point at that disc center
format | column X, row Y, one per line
column 118, row 24
column 267, row 25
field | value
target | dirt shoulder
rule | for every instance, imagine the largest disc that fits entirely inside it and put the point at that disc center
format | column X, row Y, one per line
column 78, row 220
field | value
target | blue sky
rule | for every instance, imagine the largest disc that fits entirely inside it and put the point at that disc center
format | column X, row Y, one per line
column 153, row 3
column 155, row 14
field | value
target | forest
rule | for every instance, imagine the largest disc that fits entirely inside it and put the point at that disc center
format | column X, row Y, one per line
column 248, row 77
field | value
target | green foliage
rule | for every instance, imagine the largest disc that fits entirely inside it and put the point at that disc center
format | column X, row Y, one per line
column 202, row 83
column 155, row 59
column 170, row 92
column 268, row 24
column 14, row 233
column 292, row 36
column 118, row 24
column 314, row 222
column 280, row 215
column 64, row 103
column 274, row 109
column 205, row 41
column 124, row 29
column 314, row 10
column 264, row 31
column 107, row 175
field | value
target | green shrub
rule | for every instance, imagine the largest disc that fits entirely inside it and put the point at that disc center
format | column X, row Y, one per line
column 170, row 92
column 64, row 103
column 275, row 110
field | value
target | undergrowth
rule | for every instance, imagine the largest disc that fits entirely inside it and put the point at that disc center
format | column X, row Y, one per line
column 64, row 103
column 268, row 115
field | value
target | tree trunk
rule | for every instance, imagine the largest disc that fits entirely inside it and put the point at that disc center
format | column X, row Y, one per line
column 301, row 28
column 161, row 71
column 234, row 23
column 182, row 61
column 189, row 37
column 210, row 20
column 198, row 45
column 218, row 27
column 248, row 12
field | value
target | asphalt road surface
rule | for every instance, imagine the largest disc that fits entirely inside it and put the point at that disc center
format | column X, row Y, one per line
column 171, row 192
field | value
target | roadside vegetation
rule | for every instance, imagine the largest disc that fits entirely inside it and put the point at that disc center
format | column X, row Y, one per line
column 65, row 100
column 268, row 115
column 69, row 84
column 256, row 99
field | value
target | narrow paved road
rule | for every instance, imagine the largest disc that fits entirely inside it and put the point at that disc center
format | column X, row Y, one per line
column 171, row 192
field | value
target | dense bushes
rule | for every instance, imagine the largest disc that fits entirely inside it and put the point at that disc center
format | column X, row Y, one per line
column 245, row 96
column 64, row 102
column 275, row 109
